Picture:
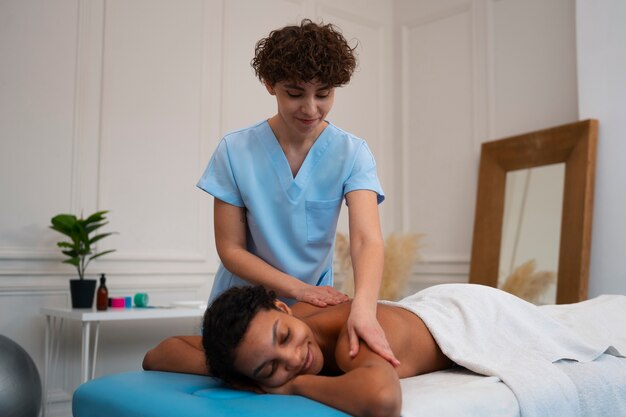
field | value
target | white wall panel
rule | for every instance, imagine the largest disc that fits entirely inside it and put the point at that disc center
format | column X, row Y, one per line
column 152, row 129
column 38, row 48
column 439, row 167
column 532, row 49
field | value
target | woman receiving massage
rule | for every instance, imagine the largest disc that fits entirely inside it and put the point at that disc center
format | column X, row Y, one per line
column 254, row 341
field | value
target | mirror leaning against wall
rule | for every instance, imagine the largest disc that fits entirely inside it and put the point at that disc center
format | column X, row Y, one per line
column 532, row 229
column 531, row 232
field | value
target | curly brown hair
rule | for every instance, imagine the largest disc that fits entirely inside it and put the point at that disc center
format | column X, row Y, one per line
column 305, row 53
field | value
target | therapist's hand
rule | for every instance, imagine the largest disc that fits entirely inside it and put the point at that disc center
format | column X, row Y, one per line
column 320, row 296
column 362, row 324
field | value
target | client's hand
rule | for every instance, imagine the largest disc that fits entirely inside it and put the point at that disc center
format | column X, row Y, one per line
column 363, row 324
column 320, row 296
column 285, row 389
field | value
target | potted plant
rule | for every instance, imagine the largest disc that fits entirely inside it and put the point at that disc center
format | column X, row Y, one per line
column 81, row 251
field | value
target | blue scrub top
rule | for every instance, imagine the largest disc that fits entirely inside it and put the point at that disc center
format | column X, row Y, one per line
column 291, row 221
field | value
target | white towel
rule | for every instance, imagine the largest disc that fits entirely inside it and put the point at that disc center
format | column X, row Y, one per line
column 601, row 385
column 497, row 334
column 601, row 319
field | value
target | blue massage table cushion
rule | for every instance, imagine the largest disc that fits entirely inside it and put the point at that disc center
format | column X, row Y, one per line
column 161, row 394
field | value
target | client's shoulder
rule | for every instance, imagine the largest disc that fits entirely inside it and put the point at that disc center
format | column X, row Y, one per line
column 303, row 310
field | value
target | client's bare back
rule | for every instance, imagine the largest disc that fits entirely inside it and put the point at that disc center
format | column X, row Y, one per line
column 408, row 336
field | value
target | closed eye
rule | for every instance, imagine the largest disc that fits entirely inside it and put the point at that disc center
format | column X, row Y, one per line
column 286, row 337
column 272, row 370
column 265, row 371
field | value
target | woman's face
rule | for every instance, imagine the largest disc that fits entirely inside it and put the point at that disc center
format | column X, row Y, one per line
column 276, row 348
column 302, row 107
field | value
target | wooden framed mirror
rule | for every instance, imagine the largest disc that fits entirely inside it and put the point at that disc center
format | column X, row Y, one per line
column 574, row 145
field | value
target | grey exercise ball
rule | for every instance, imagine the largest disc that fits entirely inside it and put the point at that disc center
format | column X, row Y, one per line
column 20, row 385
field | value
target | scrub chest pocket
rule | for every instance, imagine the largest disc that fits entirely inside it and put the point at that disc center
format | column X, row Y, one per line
column 321, row 219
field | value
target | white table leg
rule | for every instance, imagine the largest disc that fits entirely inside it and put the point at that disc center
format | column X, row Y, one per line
column 95, row 351
column 84, row 366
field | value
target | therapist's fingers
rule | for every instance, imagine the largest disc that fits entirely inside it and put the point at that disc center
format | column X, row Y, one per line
column 321, row 296
column 378, row 343
column 353, row 340
column 366, row 327
column 331, row 296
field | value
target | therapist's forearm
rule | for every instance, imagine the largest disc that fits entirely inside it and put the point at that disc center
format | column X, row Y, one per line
column 255, row 270
column 367, row 261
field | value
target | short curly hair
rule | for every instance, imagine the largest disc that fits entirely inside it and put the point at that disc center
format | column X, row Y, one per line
column 226, row 322
column 305, row 53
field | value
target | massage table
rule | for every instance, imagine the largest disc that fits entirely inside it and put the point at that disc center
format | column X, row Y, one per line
column 454, row 392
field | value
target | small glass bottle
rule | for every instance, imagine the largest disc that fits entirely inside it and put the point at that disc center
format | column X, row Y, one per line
column 102, row 295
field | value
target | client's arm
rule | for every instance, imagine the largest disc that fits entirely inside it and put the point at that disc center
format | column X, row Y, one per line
column 177, row 354
column 369, row 387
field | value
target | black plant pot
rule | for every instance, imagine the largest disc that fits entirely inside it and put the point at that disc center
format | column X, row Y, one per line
column 82, row 291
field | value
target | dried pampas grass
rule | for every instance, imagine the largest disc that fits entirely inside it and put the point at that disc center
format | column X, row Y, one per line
column 527, row 284
column 400, row 254
column 401, row 251
column 342, row 259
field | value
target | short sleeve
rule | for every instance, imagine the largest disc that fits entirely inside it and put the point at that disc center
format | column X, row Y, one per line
column 363, row 175
column 218, row 178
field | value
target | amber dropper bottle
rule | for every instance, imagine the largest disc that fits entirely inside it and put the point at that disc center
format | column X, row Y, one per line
column 103, row 294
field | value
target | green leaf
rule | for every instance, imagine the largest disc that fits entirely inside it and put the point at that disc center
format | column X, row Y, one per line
column 72, row 261
column 73, row 234
column 99, row 237
column 64, row 231
column 64, row 221
column 96, row 217
column 91, row 228
column 97, row 255
column 70, row 253
column 66, row 245
column 83, row 236
column 82, row 250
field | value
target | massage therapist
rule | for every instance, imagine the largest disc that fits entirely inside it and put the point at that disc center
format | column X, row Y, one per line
column 279, row 185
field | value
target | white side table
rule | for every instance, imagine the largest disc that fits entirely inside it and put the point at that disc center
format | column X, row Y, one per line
column 56, row 317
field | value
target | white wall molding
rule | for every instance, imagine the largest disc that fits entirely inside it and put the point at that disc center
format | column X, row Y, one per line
column 490, row 70
column 87, row 106
column 19, row 283
column 442, row 14
column 482, row 104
